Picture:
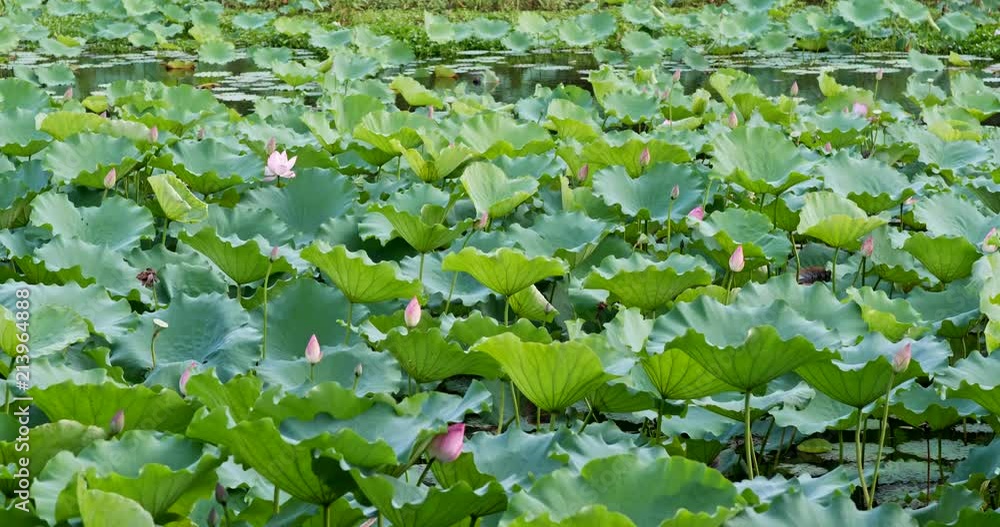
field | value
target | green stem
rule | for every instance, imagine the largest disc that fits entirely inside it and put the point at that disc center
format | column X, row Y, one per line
column 538, row 418
column 454, row 278
column 506, row 311
column 729, row 286
column 552, row 422
column 156, row 305
column 927, row 439
column 747, row 435
column 860, row 455
column 420, row 276
column 105, row 195
column 163, row 239
column 350, row 320
column 277, row 503
column 833, row 275
column 659, row 419
column 152, row 348
column 267, row 278
column 795, row 252
column 312, row 373
column 503, row 393
column 326, row 515
column 861, row 272
column 840, row 439
column 940, row 460
column 517, row 408
column 239, row 293
column 426, row 470
column 670, row 224
column 881, row 439
column 767, row 435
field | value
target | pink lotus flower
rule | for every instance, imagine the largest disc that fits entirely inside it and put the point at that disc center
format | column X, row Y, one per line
column 68, row 94
column 860, row 109
column 412, row 313
column 667, row 122
column 828, row 148
column 795, row 89
column 154, row 134
column 271, row 145
column 221, row 495
column 313, row 353
column 117, row 423
column 675, row 192
column 665, row 95
column 868, row 247
column 677, row 75
column 901, row 360
column 644, row 157
column 734, row 120
column 279, row 166
column 483, row 220
column 274, row 253
column 448, row 446
column 110, row 179
column 430, row 112
column 186, row 376
column 878, row 74
column 912, row 200
column 697, row 213
column 583, row 173
column 736, row 261
column 991, row 242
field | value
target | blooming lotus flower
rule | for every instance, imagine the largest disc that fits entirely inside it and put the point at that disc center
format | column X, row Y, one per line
column 583, row 173
column 154, row 134
column 675, row 192
column 991, row 242
column 698, row 213
column 677, row 75
column 221, row 495
column 878, row 74
column 117, row 423
column 868, row 247
column 448, row 446
column 734, row 121
column 313, row 353
column 795, row 89
column 110, row 179
column 186, row 376
column 271, row 145
column 828, row 147
column 736, row 261
column 412, row 313
column 901, row 360
column 483, row 220
column 279, row 166
column 860, row 109
column 644, row 157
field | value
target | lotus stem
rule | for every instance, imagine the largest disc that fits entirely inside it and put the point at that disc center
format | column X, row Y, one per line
column 267, row 277
column 506, row 311
column 426, row 470
column 833, row 275
column 940, row 460
column 538, row 418
column 777, row 454
column 350, row 319
column 927, row 439
column 517, row 409
column 239, row 294
column 454, row 277
column 767, row 435
column 420, row 276
column 156, row 305
column 552, row 422
column 152, row 347
column 795, row 252
column 586, row 418
column 659, row 420
column 312, row 373
column 670, row 225
column 729, row 285
column 861, row 455
column 840, row 439
column 862, row 271
column 277, row 498
column 163, row 239
column 503, row 393
column 747, row 435
column 881, row 439
column 326, row 515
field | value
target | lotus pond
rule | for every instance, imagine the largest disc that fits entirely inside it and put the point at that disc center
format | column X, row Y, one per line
column 571, row 283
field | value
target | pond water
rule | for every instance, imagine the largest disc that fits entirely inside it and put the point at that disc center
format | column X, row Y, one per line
column 512, row 76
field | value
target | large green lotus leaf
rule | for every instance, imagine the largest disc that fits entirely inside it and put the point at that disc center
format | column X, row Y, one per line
column 108, row 318
column 835, row 220
column 443, row 157
column 675, row 491
column 176, row 200
column 18, row 93
column 438, row 283
column 572, row 236
column 228, row 343
column 52, row 329
column 49, row 439
column 382, row 129
column 469, row 330
column 531, row 304
column 948, row 214
column 587, row 517
column 894, row 264
column 675, row 375
column 893, row 317
column 648, row 196
column 161, row 472
column 553, row 376
column 793, row 509
column 982, row 460
column 947, row 155
column 628, row 331
column 63, row 124
column 246, row 223
column 861, row 374
column 381, row 372
column 412, row 505
column 820, row 414
column 119, row 224
column 361, row 280
column 415, row 93
column 571, row 121
column 505, row 271
column 493, row 135
column 237, row 396
column 18, row 135
column 639, row 282
column 952, row 311
column 729, row 82
column 95, row 265
column 917, row 405
column 813, row 302
column 761, row 160
column 861, row 13
column 108, row 509
column 751, row 229
column 625, row 148
column 424, row 232
column 972, row 94
column 868, row 182
column 976, row 378
column 426, row 356
column 947, row 258
column 84, row 159
column 502, row 456
column 209, row 165
column 244, row 263
column 95, row 404
column 632, row 108
column 493, row 192
column 307, row 202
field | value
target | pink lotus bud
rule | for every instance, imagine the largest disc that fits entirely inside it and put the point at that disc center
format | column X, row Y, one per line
column 448, row 446
column 675, row 192
column 828, row 148
column 483, row 220
column 667, row 122
column 677, row 75
column 734, row 121
column 736, row 261
column 272, row 143
column 104, row 114
column 860, row 109
column 991, row 242
column 186, row 376
column 795, row 89
column 213, row 518
column 912, row 200
column 665, row 95
column 110, row 179
column 221, row 495
column 274, row 253
column 154, row 134
column 698, row 213
column 878, row 74
column 313, row 353
column 644, row 157
column 412, row 313
column 901, row 360
column 68, row 94
column 201, row 134
column 583, row 173
column 117, row 423
column 430, row 112
column 359, row 370
column 868, row 247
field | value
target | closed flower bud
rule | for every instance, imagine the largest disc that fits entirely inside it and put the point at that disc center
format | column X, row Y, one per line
column 448, row 446
column 359, row 370
column 583, row 173
column 483, row 220
column 677, row 75
column 186, row 376
column 213, row 518
column 675, row 192
column 117, row 423
column 991, row 242
column 868, row 247
column 795, row 89
column 736, row 261
column 313, row 353
column 154, row 134
column 68, row 94
column 272, row 143
column 734, row 121
column 274, row 253
column 697, row 213
column 221, row 495
column 111, row 178
column 878, row 74
column 644, row 157
column 828, row 148
column 412, row 313
column 901, row 361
